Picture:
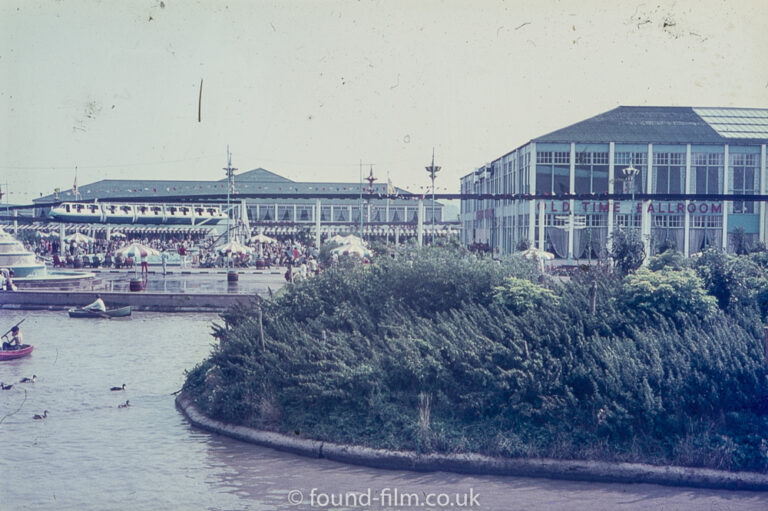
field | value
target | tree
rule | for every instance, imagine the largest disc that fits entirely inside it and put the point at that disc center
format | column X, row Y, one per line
column 740, row 243
column 668, row 259
column 627, row 251
column 522, row 245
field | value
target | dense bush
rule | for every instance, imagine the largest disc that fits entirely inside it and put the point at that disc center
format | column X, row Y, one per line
column 438, row 350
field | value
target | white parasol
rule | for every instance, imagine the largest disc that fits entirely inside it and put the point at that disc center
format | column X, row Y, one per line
column 78, row 238
column 234, row 247
column 352, row 250
column 535, row 253
column 263, row 238
column 135, row 250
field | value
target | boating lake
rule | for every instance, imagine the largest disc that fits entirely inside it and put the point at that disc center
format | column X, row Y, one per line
column 91, row 455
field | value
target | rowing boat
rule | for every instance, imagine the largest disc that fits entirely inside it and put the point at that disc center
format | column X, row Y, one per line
column 79, row 312
column 22, row 351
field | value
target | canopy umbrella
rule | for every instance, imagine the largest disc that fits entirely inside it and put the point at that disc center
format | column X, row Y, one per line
column 78, row 238
column 539, row 255
column 535, row 253
column 351, row 239
column 116, row 234
column 352, row 250
column 135, row 250
column 263, row 238
column 234, row 247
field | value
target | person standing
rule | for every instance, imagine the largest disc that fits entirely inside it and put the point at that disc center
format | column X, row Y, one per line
column 164, row 260
column 144, row 265
column 183, row 255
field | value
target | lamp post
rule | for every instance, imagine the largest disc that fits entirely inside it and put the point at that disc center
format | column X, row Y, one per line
column 370, row 180
column 231, row 273
column 432, row 169
column 629, row 174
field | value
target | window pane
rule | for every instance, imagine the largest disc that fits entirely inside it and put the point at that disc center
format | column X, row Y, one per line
column 562, row 179
column 712, row 181
column 675, row 180
column 600, row 179
column 701, row 180
column 662, row 180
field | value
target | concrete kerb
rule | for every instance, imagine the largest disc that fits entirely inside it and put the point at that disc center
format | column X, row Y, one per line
column 592, row 471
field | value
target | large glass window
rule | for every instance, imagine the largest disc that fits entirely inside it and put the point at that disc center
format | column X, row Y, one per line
column 341, row 214
column 623, row 160
column 708, row 172
column 266, row 212
column 591, row 172
column 524, row 163
column 304, row 213
column 285, row 213
column 669, row 172
column 553, row 172
column 745, row 179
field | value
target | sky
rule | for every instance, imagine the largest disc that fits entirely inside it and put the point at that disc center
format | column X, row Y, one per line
column 309, row 89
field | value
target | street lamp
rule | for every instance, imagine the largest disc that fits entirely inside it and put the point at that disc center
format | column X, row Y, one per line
column 230, row 170
column 432, row 169
column 370, row 180
column 629, row 174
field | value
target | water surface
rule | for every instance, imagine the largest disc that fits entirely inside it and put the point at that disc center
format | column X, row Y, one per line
column 91, row 455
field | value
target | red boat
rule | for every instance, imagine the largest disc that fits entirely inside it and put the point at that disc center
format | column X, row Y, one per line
column 23, row 351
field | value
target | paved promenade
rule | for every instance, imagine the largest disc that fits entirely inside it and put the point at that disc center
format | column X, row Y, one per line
column 179, row 290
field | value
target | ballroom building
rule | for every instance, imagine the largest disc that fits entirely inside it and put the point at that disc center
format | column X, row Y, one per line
column 628, row 150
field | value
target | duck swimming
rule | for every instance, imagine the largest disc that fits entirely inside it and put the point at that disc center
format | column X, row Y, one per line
column 126, row 405
column 29, row 380
column 5, row 387
column 118, row 388
column 39, row 417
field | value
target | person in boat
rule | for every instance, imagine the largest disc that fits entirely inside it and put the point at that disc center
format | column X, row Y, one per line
column 97, row 305
column 16, row 339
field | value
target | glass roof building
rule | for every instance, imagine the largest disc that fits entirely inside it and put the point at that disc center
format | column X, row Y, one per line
column 573, row 174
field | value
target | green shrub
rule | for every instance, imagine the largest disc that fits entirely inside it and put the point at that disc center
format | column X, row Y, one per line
column 438, row 350
column 521, row 295
column 668, row 292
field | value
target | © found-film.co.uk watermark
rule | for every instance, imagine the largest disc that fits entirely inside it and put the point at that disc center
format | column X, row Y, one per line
column 383, row 498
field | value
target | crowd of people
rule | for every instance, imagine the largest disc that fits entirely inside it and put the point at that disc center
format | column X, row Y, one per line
column 189, row 252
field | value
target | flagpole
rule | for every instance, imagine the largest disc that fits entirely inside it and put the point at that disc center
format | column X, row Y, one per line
column 389, row 191
column 361, row 199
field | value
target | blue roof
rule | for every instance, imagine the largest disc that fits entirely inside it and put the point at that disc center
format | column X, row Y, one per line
column 660, row 125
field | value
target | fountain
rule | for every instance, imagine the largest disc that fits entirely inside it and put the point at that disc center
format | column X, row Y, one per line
column 29, row 272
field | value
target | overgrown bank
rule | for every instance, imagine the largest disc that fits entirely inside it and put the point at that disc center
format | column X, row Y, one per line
column 440, row 352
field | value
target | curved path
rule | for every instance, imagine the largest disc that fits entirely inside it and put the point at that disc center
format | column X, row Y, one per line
column 497, row 491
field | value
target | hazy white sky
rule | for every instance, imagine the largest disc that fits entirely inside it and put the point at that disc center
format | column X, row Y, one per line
column 307, row 89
